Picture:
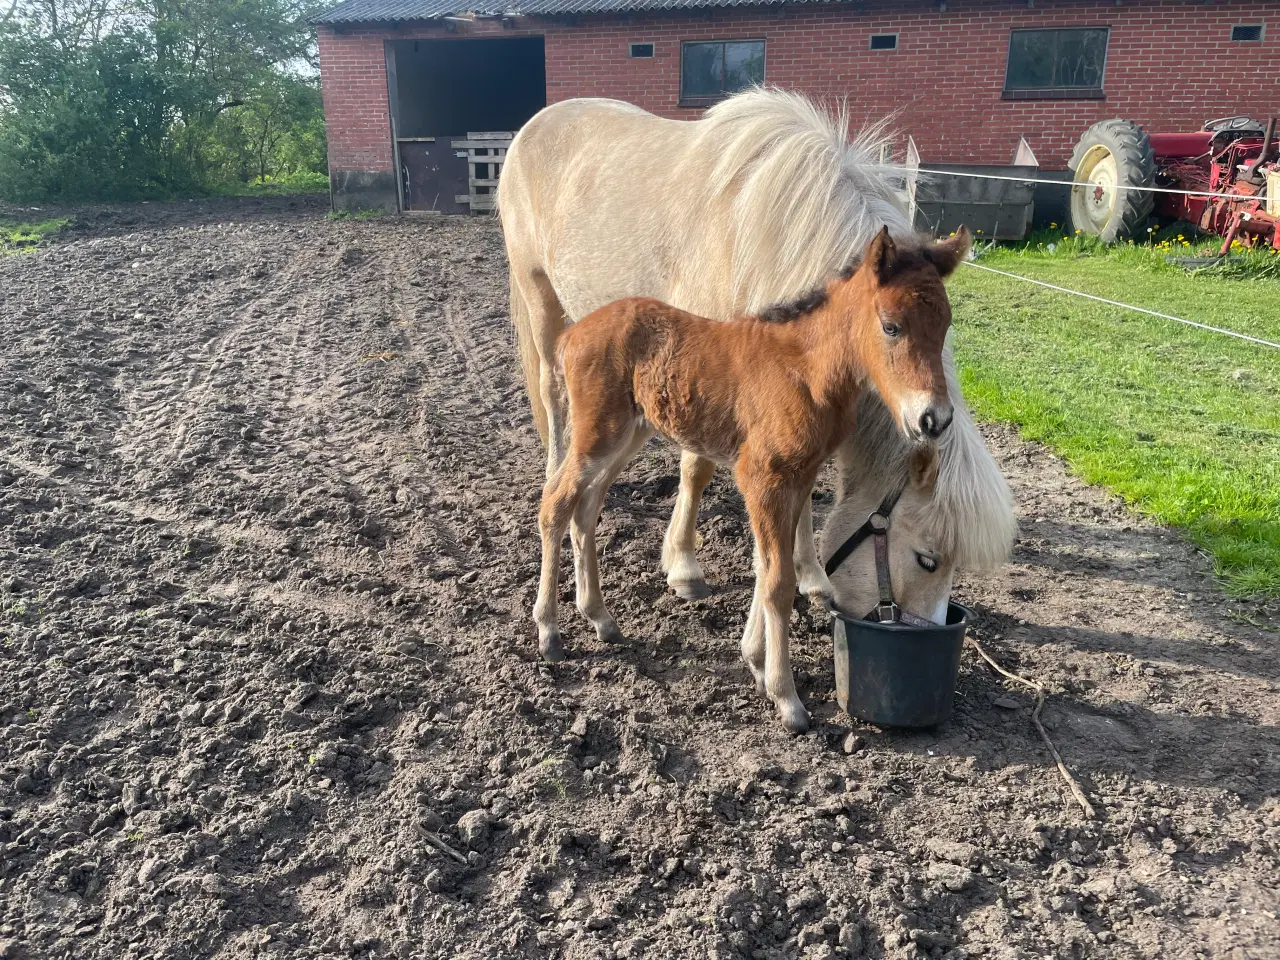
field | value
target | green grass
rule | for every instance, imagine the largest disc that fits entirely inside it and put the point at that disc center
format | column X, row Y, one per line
column 1182, row 423
column 367, row 213
column 16, row 236
column 304, row 182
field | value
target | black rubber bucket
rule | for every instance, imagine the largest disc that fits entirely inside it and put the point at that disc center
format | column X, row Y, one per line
column 895, row 675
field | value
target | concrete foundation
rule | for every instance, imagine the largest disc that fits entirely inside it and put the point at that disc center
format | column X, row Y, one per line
column 362, row 190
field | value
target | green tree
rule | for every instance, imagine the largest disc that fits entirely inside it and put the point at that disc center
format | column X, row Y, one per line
column 115, row 99
column 275, row 133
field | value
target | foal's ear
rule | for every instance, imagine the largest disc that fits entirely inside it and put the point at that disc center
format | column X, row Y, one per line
column 923, row 465
column 947, row 254
column 882, row 254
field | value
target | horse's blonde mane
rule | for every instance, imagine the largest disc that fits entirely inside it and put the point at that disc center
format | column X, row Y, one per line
column 805, row 199
column 971, row 517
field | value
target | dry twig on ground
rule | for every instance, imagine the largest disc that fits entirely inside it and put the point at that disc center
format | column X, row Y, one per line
column 1071, row 781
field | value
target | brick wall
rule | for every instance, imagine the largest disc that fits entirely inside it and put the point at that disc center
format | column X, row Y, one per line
column 1170, row 65
column 353, row 82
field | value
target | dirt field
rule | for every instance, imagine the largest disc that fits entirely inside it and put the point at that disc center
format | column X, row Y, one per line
column 267, row 552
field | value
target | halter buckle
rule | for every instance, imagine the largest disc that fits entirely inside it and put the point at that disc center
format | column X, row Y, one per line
column 887, row 611
column 878, row 522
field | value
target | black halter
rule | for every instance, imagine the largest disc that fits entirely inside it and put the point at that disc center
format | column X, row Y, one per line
column 877, row 525
column 879, row 518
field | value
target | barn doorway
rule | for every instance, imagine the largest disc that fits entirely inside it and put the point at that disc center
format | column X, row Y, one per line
column 454, row 104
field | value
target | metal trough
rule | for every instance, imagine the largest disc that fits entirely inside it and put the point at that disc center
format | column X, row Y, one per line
column 992, row 209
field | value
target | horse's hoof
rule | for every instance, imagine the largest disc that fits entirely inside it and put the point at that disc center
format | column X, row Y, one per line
column 550, row 648
column 690, row 589
column 610, row 634
column 795, row 718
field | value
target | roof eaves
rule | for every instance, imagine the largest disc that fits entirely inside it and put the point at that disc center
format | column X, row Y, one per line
column 408, row 11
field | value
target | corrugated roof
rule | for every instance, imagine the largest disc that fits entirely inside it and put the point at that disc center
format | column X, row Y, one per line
column 383, row 11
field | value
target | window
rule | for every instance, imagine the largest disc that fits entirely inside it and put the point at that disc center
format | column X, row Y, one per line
column 1056, row 64
column 641, row 50
column 1243, row 33
column 710, row 71
column 884, row 41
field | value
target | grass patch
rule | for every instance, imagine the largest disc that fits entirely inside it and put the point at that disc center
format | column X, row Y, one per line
column 1182, row 423
column 305, row 182
column 368, row 213
column 1160, row 254
column 17, row 236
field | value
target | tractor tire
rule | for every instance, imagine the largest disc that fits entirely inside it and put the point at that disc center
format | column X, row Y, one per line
column 1111, row 153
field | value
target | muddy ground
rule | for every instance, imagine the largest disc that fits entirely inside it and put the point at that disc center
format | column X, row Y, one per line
column 268, row 685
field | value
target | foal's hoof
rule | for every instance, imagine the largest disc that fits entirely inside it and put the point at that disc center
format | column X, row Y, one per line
column 821, row 603
column 550, row 648
column 818, row 590
column 690, row 589
column 795, row 718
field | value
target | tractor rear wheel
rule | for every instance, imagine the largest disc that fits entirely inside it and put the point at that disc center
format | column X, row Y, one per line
column 1112, row 154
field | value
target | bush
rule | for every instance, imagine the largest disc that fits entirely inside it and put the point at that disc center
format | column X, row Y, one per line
column 209, row 102
column 84, row 124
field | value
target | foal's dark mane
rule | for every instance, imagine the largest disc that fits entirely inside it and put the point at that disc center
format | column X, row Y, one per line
column 805, row 305
column 795, row 309
column 811, row 301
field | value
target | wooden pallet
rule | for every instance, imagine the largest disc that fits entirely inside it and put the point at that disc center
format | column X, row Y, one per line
column 485, row 153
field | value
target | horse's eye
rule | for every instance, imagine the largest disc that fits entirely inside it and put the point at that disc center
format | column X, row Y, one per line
column 890, row 329
column 927, row 562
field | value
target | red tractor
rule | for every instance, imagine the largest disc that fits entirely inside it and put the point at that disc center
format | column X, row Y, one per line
column 1233, row 155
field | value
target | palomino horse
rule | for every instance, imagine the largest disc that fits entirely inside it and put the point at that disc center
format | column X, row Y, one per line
column 772, row 396
column 752, row 205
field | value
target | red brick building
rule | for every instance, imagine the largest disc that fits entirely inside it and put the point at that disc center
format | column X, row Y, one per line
column 967, row 78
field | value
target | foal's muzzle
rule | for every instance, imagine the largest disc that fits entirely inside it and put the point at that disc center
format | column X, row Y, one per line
column 935, row 420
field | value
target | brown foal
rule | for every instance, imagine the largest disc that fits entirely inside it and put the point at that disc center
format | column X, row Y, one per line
column 771, row 395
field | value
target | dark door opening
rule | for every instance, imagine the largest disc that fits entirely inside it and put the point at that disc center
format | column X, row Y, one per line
column 443, row 90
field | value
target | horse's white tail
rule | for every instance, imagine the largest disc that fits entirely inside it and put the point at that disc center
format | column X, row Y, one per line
column 530, row 361
column 511, row 195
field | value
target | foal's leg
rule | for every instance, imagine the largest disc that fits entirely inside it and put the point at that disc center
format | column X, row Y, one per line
column 813, row 579
column 773, row 521
column 679, row 561
column 586, row 564
column 560, row 499
column 753, row 642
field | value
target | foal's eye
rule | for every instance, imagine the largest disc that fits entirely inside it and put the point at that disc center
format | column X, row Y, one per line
column 927, row 562
column 890, row 329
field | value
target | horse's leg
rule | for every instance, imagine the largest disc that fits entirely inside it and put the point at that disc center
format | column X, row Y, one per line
column 812, row 578
column 679, row 560
column 774, row 511
column 586, row 562
column 546, row 322
column 560, row 498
